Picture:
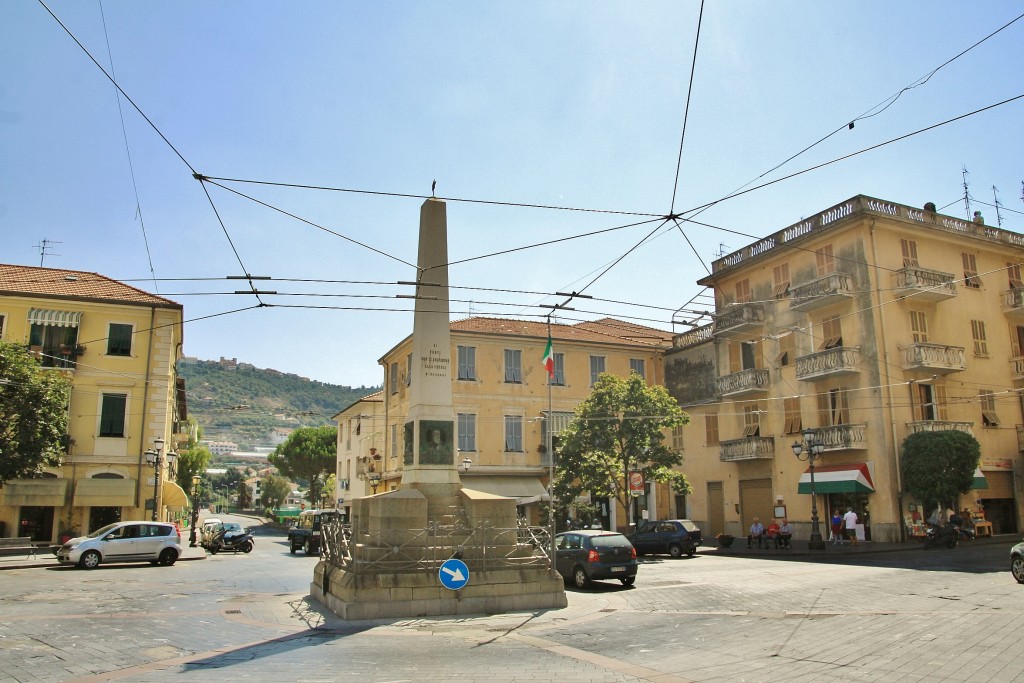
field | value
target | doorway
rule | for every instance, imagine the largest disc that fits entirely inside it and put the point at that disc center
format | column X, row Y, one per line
column 37, row 522
column 858, row 502
column 102, row 516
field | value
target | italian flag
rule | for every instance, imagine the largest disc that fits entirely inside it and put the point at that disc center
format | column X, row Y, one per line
column 549, row 360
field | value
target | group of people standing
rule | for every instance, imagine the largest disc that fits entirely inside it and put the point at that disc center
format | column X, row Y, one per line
column 844, row 527
column 779, row 534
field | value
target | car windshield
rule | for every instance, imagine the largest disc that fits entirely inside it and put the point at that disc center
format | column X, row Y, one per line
column 688, row 525
column 231, row 526
column 610, row 541
column 102, row 530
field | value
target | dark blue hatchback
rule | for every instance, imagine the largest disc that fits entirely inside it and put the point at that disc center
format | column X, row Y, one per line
column 585, row 555
column 669, row 536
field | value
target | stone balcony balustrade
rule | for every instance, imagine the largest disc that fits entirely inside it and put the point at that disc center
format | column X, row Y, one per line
column 935, row 358
column 844, row 437
column 939, row 426
column 747, row 448
column 740, row 319
column 744, row 382
column 1017, row 368
column 842, row 360
column 824, row 291
column 921, row 284
column 1013, row 304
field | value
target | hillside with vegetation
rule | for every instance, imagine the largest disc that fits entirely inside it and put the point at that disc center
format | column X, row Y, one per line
column 242, row 403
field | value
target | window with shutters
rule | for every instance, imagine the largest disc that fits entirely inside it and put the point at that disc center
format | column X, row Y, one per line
column 1016, row 340
column 1, row 327
column 791, row 409
column 393, row 378
column 743, row 291
column 1013, row 271
column 467, row 362
column 112, row 414
column 919, row 327
column 831, row 333
column 408, row 370
column 780, row 281
column 988, row 408
column 978, row 335
column 833, row 407
column 677, row 438
column 467, row 431
column 514, row 433
column 971, row 277
column 513, row 366
column 825, row 261
column 751, row 420
column 119, row 340
column 559, row 378
column 787, row 349
column 909, row 249
column 596, row 368
column 711, row 428
column 638, row 366
column 931, row 402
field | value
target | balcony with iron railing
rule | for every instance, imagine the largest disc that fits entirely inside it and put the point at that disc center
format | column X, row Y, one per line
column 825, row 291
column 739, row 319
column 1013, row 304
column 923, row 285
column 935, row 358
column 841, row 360
column 747, row 448
column 842, row 437
column 939, row 426
column 744, row 382
column 699, row 335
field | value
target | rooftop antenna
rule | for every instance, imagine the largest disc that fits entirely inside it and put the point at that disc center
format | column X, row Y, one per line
column 995, row 197
column 721, row 251
column 967, row 195
column 44, row 248
column 470, row 310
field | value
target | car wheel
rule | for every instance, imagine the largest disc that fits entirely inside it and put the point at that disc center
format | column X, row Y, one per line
column 90, row 560
column 294, row 548
column 247, row 547
column 168, row 557
column 213, row 549
column 580, row 578
column 1017, row 568
column 628, row 580
column 306, row 548
column 675, row 550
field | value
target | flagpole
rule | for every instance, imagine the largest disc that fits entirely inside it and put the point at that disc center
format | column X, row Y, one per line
column 551, row 456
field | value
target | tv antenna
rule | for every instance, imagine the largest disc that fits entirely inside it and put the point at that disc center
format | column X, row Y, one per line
column 995, row 197
column 967, row 195
column 721, row 251
column 44, row 249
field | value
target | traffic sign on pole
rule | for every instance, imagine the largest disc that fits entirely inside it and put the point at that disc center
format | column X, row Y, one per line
column 454, row 574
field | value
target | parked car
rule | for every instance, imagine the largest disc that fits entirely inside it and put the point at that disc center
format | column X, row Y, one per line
column 208, row 529
column 588, row 554
column 153, row 542
column 1017, row 562
column 306, row 532
column 667, row 537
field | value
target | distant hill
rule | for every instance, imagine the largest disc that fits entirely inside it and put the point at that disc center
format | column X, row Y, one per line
column 242, row 403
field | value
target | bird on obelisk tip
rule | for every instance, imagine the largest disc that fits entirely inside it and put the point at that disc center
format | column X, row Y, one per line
column 433, row 186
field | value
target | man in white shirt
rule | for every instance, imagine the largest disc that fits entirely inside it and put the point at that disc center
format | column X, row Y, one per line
column 850, row 523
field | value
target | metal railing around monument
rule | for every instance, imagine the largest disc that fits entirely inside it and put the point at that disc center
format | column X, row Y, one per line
column 482, row 545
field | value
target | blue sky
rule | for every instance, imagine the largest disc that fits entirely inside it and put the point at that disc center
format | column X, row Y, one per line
column 561, row 103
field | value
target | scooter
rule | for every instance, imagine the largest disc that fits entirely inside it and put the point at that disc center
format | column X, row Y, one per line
column 947, row 535
column 233, row 541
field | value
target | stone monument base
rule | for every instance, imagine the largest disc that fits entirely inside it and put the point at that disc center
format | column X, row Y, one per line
column 503, row 574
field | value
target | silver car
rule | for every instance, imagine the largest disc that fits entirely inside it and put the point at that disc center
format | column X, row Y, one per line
column 153, row 542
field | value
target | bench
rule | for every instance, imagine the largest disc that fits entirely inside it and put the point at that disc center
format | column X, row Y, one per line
column 21, row 545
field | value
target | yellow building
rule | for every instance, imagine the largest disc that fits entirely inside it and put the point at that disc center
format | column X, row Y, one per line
column 119, row 345
column 864, row 323
column 501, row 401
column 360, row 449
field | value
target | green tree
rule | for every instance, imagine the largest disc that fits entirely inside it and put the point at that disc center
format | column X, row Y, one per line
column 618, row 429
column 33, row 414
column 192, row 461
column 273, row 491
column 939, row 466
column 308, row 452
column 244, row 495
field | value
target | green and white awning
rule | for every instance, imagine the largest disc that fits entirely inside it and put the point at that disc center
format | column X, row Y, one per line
column 980, row 482
column 854, row 478
column 43, row 316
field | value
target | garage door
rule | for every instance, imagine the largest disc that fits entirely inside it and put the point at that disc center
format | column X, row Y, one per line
column 716, row 508
column 756, row 501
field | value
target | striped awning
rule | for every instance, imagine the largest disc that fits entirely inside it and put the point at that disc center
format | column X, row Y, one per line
column 853, row 478
column 42, row 316
column 980, row 482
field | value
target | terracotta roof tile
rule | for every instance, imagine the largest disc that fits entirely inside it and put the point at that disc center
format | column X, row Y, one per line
column 73, row 284
column 606, row 330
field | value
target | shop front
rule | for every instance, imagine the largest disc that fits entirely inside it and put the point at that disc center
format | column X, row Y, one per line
column 845, row 487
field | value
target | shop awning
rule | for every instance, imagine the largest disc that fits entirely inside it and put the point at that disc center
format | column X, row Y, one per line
column 104, row 492
column 854, row 478
column 47, row 492
column 980, row 482
column 42, row 316
column 174, row 495
column 523, row 489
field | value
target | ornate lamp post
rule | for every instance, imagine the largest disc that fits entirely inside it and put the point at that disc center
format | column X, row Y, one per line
column 374, row 480
column 810, row 454
column 195, row 509
column 156, row 458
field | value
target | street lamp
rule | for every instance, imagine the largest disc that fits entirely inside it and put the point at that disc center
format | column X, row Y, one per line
column 374, row 480
column 465, row 465
column 812, row 452
column 156, row 458
column 195, row 510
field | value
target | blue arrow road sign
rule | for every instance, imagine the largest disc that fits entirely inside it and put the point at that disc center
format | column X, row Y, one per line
column 454, row 574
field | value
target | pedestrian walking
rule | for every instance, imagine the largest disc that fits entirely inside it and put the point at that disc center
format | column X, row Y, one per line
column 837, row 528
column 850, row 523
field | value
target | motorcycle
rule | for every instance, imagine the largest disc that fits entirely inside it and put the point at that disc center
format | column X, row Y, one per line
column 947, row 535
column 233, row 541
